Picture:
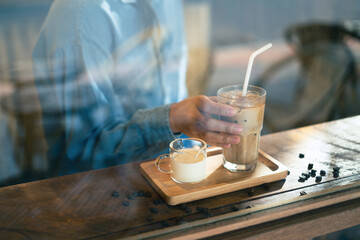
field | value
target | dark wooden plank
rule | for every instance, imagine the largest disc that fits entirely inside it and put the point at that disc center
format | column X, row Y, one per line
column 81, row 206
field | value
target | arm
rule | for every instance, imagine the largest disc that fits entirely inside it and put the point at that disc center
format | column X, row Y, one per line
column 93, row 128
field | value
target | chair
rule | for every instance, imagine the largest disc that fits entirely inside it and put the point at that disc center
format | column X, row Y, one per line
column 325, row 85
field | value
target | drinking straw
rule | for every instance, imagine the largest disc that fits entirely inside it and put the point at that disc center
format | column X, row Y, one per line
column 251, row 60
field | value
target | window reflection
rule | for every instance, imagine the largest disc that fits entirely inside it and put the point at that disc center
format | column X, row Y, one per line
column 310, row 74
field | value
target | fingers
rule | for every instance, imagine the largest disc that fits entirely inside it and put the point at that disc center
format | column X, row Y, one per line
column 215, row 125
column 223, row 139
column 211, row 106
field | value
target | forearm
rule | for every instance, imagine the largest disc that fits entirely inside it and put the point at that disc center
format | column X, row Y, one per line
column 145, row 134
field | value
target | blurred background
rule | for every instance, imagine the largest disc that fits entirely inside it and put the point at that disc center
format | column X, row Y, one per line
column 311, row 74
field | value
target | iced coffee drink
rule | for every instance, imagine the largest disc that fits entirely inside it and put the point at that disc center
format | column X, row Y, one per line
column 250, row 114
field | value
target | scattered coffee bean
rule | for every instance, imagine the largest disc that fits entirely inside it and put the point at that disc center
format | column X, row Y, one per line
column 307, row 175
column 301, row 155
column 115, row 194
column 131, row 197
column 125, row 203
column 188, row 210
column 313, row 171
column 250, row 192
column 336, row 169
column 149, row 218
column 310, row 166
column 234, row 208
column 336, row 174
column 164, row 223
column 302, row 193
column 207, row 212
column 318, row 179
column 302, row 178
column 322, row 172
column 140, row 193
column 154, row 210
column 147, row 194
column 288, row 172
column 200, row 209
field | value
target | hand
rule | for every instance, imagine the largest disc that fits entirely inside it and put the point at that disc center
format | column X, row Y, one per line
column 192, row 117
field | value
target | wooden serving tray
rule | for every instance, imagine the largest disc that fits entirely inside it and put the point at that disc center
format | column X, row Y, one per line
column 218, row 181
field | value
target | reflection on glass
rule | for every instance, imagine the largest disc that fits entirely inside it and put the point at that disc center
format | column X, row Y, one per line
column 85, row 88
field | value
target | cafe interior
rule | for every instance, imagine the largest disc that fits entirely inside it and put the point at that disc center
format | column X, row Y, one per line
column 307, row 181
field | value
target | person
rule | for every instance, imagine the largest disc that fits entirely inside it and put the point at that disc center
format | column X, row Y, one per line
column 110, row 76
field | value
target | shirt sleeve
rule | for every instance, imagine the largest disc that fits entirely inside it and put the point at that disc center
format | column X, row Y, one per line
column 83, row 117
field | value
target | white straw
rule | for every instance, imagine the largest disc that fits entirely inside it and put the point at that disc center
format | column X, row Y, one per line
column 251, row 60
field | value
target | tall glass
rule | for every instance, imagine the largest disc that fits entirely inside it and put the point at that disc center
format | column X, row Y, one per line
column 250, row 114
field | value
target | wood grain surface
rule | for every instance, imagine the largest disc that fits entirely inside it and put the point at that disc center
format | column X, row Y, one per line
column 83, row 206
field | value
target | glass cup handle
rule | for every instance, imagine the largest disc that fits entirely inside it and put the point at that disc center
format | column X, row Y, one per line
column 157, row 162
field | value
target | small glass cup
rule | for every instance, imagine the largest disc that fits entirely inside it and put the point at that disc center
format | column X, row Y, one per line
column 250, row 114
column 187, row 160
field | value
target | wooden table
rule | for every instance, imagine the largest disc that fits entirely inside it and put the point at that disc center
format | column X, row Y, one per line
column 81, row 206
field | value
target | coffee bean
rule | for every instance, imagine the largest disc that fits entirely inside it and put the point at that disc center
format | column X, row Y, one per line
column 125, row 203
column 322, row 173
column 115, row 194
column 302, row 193
column 307, row 175
column 154, row 210
column 200, row 209
column 207, row 212
column 301, row 155
column 302, row 178
column 131, row 197
column 250, row 192
column 336, row 174
column 310, row 166
column 140, row 193
column 288, row 172
column 336, row 169
column 188, row 210
column 234, row 208
column 318, row 179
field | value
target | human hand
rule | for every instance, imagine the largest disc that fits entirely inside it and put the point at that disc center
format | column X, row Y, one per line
column 192, row 117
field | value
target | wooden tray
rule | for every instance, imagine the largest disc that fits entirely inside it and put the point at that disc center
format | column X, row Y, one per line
column 218, row 181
